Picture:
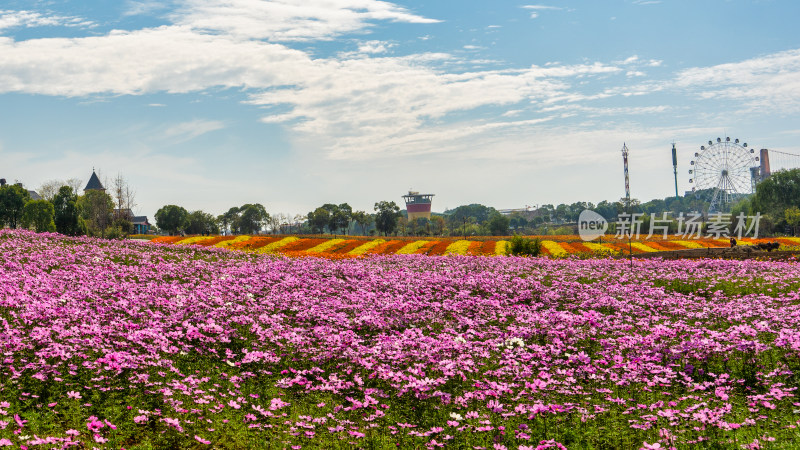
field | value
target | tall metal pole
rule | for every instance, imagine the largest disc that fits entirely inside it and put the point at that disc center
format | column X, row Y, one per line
column 627, row 181
column 675, row 168
column 628, row 201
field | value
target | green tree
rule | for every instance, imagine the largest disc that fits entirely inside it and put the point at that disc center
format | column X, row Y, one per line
column 252, row 218
column 498, row 224
column 792, row 216
column 199, row 222
column 340, row 217
column 386, row 217
column 38, row 215
column 12, row 199
column 67, row 215
column 777, row 193
column 478, row 213
column 228, row 219
column 171, row 218
column 363, row 220
column 97, row 209
column 319, row 219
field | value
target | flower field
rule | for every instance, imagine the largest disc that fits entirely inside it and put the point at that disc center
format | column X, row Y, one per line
column 555, row 246
column 110, row 344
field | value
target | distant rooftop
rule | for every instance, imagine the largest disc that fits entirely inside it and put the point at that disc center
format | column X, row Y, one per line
column 94, row 183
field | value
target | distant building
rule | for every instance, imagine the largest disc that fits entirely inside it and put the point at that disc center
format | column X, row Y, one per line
column 94, row 184
column 418, row 205
column 140, row 225
column 32, row 194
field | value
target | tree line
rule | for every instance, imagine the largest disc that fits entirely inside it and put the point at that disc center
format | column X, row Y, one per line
column 61, row 209
column 254, row 218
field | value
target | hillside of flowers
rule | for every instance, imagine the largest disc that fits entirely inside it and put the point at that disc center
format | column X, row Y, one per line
column 350, row 247
column 134, row 345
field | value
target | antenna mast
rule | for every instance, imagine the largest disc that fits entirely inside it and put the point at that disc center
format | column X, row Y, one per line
column 675, row 168
column 627, row 182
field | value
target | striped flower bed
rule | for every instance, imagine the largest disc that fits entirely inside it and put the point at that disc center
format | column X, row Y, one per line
column 553, row 246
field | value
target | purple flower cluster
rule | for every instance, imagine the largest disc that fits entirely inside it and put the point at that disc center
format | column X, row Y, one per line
column 124, row 343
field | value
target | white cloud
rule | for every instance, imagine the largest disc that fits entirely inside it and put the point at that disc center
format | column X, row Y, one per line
column 536, row 8
column 187, row 131
column 30, row 19
column 374, row 47
column 542, row 7
column 143, row 7
column 167, row 59
column 382, row 107
column 770, row 82
column 290, row 20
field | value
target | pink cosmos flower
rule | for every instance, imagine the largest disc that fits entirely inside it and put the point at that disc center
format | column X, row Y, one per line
column 73, row 394
column 201, row 440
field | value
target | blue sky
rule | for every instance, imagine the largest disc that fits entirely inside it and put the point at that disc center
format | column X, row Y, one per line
column 294, row 103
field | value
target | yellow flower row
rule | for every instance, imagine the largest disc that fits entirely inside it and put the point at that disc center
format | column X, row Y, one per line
column 227, row 243
column 501, row 248
column 193, row 240
column 411, row 247
column 330, row 243
column 690, row 244
column 270, row 248
column 364, row 248
column 642, row 247
column 458, row 247
column 554, row 249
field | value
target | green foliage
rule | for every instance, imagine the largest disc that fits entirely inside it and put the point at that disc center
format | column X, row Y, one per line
column 474, row 213
column 363, row 219
column 252, row 218
column 522, row 246
column 38, row 215
column 97, row 209
column 777, row 193
column 12, row 200
column 171, row 218
column 67, row 215
column 386, row 216
column 229, row 219
column 498, row 224
column 340, row 218
column 319, row 219
column 199, row 222
column 792, row 216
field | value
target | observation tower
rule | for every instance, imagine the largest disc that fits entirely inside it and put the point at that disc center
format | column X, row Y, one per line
column 418, row 205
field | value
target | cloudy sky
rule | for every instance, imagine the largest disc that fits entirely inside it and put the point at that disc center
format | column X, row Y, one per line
column 294, row 103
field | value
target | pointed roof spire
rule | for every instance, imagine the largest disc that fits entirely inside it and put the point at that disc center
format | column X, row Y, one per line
column 94, row 183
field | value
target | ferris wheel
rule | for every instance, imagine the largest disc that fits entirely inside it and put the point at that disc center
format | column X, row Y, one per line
column 727, row 167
